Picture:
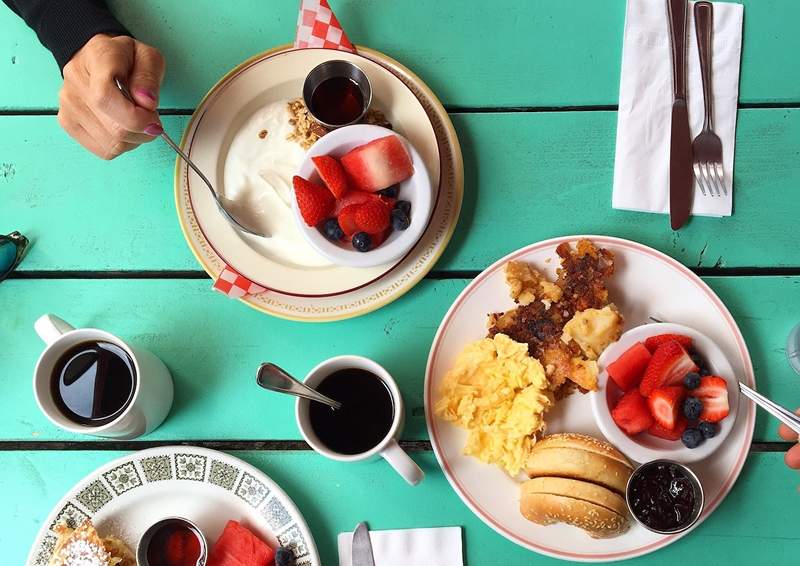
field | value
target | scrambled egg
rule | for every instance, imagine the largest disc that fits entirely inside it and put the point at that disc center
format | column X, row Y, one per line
column 499, row 394
column 593, row 330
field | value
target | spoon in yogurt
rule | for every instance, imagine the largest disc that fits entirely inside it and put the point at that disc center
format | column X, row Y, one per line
column 225, row 205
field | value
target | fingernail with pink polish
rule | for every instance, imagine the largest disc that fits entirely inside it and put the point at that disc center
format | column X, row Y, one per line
column 146, row 93
column 153, row 130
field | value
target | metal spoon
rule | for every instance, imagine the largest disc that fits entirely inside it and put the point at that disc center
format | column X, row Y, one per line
column 224, row 205
column 271, row 377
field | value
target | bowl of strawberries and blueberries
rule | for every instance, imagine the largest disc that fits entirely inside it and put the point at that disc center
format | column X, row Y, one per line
column 666, row 391
column 362, row 196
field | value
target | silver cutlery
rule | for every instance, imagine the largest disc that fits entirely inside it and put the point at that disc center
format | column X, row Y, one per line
column 224, row 205
column 779, row 412
column 271, row 377
column 707, row 147
column 361, row 553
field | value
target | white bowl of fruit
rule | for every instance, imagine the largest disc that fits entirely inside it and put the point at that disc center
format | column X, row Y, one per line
column 665, row 391
column 362, row 196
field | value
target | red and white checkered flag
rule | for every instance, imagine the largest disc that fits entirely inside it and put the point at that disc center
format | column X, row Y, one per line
column 317, row 26
column 234, row 285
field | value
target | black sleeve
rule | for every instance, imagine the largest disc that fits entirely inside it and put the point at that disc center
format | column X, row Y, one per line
column 64, row 26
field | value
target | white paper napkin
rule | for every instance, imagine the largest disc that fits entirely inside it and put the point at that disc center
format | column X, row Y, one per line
column 431, row 547
column 641, row 166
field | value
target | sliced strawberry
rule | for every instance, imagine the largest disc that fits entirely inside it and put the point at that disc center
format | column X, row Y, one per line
column 631, row 413
column 347, row 220
column 665, row 405
column 378, row 164
column 379, row 238
column 332, row 174
column 713, row 393
column 372, row 217
column 628, row 369
column 361, row 197
column 675, row 434
column 653, row 342
column 669, row 365
column 315, row 202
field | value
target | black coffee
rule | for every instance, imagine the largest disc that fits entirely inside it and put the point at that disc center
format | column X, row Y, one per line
column 93, row 382
column 365, row 417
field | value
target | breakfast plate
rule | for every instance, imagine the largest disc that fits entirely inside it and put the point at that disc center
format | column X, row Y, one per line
column 318, row 290
column 124, row 497
column 645, row 283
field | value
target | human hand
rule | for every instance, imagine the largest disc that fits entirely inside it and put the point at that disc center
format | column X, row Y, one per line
column 792, row 457
column 93, row 110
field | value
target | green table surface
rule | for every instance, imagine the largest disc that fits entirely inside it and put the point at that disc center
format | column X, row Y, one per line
column 531, row 87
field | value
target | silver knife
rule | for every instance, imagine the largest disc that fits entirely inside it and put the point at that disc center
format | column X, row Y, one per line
column 680, row 147
column 362, row 547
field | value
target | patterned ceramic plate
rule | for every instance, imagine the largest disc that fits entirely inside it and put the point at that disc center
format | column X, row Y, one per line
column 325, row 293
column 128, row 495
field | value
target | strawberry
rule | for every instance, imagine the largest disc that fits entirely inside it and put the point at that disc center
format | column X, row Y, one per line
column 347, row 220
column 665, row 405
column 713, row 393
column 669, row 365
column 628, row 369
column 675, row 434
column 653, row 342
column 378, row 164
column 372, row 217
column 361, row 197
column 631, row 413
column 332, row 174
column 315, row 202
column 379, row 238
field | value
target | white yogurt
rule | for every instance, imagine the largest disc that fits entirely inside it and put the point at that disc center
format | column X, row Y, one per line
column 258, row 178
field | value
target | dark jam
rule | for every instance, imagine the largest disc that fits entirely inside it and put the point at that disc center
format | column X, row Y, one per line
column 663, row 497
column 337, row 101
column 366, row 415
column 174, row 544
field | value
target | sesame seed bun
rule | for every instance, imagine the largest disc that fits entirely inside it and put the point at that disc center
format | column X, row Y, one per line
column 582, row 441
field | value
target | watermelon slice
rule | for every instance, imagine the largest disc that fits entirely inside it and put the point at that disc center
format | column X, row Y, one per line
column 378, row 164
column 238, row 546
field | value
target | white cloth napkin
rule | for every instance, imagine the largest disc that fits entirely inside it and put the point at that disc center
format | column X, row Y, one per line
column 431, row 547
column 641, row 166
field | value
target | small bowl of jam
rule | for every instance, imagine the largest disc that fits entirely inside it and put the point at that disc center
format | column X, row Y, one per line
column 337, row 93
column 173, row 541
column 664, row 496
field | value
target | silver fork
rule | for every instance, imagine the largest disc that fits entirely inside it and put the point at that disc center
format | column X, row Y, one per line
column 707, row 147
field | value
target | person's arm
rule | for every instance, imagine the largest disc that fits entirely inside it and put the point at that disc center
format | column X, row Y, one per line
column 92, row 49
column 64, row 26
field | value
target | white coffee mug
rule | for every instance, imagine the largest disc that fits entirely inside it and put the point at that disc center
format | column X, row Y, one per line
column 388, row 448
column 153, row 390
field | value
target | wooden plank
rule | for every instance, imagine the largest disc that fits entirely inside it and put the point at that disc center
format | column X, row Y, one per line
column 742, row 530
column 529, row 176
column 213, row 346
column 534, row 53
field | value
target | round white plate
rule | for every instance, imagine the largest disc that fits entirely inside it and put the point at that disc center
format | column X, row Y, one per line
column 646, row 283
column 128, row 495
column 384, row 285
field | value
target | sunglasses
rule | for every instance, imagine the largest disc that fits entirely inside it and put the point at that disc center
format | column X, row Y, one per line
column 12, row 248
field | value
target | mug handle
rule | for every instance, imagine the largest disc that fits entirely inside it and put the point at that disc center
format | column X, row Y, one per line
column 50, row 328
column 402, row 463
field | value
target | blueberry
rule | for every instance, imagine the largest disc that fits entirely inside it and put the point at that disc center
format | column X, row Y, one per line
column 332, row 230
column 400, row 220
column 692, row 438
column 692, row 380
column 700, row 362
column 403, row 205
column 284, row 557
column 391, row 192
column 707, row 429
column 692, row 407
column 362, row 242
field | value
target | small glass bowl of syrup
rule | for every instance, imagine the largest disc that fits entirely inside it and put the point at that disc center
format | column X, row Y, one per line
column 173, row 541
column 337, row 93
column 664, row 496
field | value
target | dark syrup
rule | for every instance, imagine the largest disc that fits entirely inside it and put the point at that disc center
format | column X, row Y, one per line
column 365, row 417
column 337, row 101
column 663, row 497
column 174, row 544
column 93, row 382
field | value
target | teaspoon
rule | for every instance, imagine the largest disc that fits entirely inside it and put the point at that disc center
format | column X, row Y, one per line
column 224, row 205
column 271, row 377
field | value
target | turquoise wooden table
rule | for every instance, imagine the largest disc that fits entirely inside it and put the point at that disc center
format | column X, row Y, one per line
column 108, row 252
